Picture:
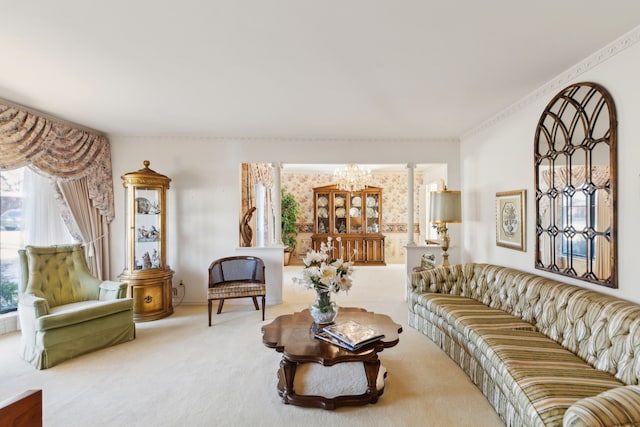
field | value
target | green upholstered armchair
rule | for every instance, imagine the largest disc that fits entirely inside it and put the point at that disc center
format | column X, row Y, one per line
column 64, row 310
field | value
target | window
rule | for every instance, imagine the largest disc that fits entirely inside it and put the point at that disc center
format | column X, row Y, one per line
column 21, row 224
column 11, row 236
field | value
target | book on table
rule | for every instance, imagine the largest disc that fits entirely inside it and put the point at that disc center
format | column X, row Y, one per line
column 351, row 334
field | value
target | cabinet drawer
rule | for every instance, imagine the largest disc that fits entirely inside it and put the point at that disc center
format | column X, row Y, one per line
column 147, row 298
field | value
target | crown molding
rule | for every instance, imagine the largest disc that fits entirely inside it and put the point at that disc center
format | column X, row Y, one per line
column 560, row 81
column 275, row 139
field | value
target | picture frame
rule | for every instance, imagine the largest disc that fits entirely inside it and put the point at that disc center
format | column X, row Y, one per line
column 511, row 224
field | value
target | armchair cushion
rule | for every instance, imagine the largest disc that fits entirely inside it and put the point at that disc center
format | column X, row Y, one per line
column 78, row 312
column 236, row 290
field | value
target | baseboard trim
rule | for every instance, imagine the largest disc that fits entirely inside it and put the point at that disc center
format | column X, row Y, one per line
column 8, row 322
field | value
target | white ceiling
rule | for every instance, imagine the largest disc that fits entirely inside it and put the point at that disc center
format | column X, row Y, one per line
column 293, row 68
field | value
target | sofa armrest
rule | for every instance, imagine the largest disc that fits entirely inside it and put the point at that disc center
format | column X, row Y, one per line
column 110, row 290
column 38, row 306
column 442, row 279
column 616, row 407
column 419, row 281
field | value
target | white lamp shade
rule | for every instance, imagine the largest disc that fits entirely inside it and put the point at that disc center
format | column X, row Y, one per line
column 445, row 206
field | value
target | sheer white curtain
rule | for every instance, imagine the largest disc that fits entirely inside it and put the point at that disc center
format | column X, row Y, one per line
column 261, row 230
column 43, row 222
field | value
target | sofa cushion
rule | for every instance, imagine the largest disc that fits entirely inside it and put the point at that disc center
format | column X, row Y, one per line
column 468, row 316
column 543, row 377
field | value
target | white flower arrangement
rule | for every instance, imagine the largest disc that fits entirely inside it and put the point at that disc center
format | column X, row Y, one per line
column 324, row 274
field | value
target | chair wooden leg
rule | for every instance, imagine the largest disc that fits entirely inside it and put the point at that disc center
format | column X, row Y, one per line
column 255, row 303
column 220, row 304
column 263, row 308
column 209, row 304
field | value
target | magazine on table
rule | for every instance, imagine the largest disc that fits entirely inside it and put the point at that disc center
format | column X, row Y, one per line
column 323, row 336
column 352, row 334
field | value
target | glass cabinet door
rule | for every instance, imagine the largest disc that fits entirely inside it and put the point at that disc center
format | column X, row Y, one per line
column 372, row 213
column 322, row 202
column 355, row 214
column 340, row 212
column 147, row 227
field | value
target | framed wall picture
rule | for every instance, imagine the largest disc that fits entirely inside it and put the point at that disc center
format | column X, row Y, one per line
column 511, row 219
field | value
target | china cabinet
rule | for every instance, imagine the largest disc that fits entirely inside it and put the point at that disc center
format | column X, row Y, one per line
column 352, row 220
column 146, row 273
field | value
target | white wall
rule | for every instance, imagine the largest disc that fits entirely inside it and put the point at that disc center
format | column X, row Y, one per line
column 500, row 158
column 204, row 198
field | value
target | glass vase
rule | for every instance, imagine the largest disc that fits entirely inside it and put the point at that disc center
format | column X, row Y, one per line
column 323, row 311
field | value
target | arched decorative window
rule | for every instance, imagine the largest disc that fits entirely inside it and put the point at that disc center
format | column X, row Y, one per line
column 575, row 184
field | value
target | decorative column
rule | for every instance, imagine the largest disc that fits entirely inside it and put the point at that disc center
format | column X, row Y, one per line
column 410, row 196
column 275, row 197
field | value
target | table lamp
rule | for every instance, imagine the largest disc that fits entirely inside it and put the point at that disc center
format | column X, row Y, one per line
column 445, row 208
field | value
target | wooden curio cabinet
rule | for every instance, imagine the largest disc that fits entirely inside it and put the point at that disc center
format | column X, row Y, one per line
column 146, row 273
column 354, row 217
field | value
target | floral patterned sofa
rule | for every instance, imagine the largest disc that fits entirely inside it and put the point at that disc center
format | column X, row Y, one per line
column 544, row 353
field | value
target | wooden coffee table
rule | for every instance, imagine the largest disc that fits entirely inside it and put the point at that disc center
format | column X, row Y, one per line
column 293, row 336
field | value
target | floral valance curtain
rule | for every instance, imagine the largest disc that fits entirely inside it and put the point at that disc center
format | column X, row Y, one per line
column 577, row 176
column 57, row 149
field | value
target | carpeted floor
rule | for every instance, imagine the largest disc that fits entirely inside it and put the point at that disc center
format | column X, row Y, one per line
column 180, row 372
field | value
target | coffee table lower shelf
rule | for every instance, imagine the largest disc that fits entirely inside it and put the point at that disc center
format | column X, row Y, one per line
column 371, row 394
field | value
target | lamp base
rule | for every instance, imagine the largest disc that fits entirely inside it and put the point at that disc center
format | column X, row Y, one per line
column 445, row 246
column 445, row 258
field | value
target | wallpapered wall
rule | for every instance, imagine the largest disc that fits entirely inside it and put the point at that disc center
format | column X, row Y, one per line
column 394, row 208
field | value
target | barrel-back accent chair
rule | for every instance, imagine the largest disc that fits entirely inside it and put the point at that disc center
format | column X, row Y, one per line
column 64, row 310
column 236, row 277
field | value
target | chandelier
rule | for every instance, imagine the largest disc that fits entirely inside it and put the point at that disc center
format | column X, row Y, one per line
column 352, row 178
